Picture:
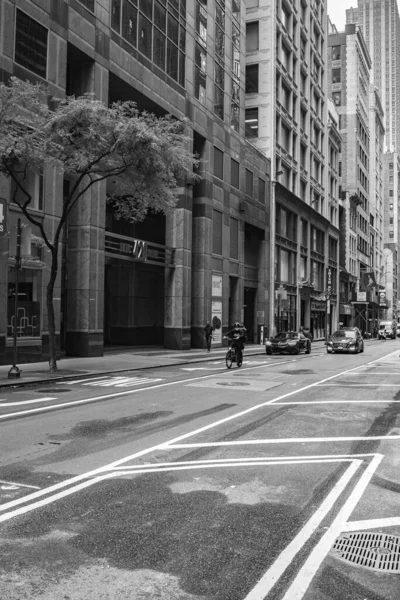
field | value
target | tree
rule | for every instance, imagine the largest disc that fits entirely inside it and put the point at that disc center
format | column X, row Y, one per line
column 144, row 157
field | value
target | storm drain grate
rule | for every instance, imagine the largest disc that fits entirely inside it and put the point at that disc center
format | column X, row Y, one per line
column 376, row 551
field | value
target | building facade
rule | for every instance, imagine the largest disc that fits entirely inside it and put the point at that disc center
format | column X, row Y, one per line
column 158, row 281
column 286, row 117
column 380, row 24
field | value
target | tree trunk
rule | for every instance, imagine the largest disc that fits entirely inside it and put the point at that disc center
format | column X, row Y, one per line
column 50, row 312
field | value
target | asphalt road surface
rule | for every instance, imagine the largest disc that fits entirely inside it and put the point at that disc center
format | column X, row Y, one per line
column 278, row 481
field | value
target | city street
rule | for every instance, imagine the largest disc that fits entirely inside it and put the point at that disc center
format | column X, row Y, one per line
column 194, row 482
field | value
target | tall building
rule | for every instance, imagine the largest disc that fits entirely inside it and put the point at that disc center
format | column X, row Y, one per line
column 361, row 175
column 286, row 117
column 209, row 259
column 380, row 24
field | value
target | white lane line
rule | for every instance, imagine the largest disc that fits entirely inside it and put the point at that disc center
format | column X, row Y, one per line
column 320, row 440
column 319, row 552
column 230, row 460
column 99, row 478
column 376, row 374
column 120, row 471
column 33, row 487
column 121, row 461
column 26, row 402
column 357, row 385
column 311, row 402
column 269, row 579
column 372, row 524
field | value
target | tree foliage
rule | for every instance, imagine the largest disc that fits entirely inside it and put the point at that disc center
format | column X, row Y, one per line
column 142, row 157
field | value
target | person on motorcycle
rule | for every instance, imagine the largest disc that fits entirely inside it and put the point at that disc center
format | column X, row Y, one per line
column 236, row 337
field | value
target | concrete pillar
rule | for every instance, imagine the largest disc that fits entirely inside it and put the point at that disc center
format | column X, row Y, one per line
column 85, row 272
column 85, row 260
column 178, row 285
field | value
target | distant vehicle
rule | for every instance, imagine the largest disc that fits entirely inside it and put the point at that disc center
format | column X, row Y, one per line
column 398, row 330
column 347, row 340
column 288, row 342
column 389, row 327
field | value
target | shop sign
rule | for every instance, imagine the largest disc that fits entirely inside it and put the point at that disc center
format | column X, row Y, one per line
column 316, row 305
column 3, row 217
column 382, row 298
column 217, row 286
column 361, row 296
column 216, row 320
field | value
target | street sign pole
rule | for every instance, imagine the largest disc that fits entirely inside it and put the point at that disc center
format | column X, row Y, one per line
column 14, row 372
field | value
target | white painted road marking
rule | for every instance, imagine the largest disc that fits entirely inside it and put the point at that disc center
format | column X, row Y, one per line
column 26, row 402
column 117, row 381
column 319, row 552
column 319, row 440
column 372, row 524
column 33, row 487
column 275, row 572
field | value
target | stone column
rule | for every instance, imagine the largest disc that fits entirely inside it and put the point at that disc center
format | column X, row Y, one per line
column 177, row 312
column 201, row 254
column 85, row 260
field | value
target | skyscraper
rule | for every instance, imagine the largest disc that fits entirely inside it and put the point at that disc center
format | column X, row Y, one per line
column 380, row 24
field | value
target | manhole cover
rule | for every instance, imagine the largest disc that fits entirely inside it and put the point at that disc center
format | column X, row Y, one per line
column 232, row 383
column 52, row 391
column 246, row 375
column 376, row 551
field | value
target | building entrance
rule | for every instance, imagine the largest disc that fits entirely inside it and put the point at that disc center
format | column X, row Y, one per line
column 133, row 303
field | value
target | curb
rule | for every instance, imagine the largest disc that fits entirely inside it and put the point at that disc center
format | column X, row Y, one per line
column 49, row 380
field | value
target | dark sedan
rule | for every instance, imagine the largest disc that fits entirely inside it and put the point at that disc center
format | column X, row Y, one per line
column 288, row 342
column 345, row 340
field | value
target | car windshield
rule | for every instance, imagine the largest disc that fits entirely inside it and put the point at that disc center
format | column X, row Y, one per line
column 285, row 335
column 344, row 333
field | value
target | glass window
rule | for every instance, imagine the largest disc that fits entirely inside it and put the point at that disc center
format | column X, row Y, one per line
column 217, row 232
column 159, row 43
column 236, row 9
column 160, row 16
column 145, row 36
column 249, row 182
column 129, row 23
column 200, row 86
column 218, row 163
column 251, row 122
column 172, row 60
column 146, row 6
column 336, row 52
column 234, row 173
column 261, row 190
column 116, row 15
column 31, row 44
column 173, row 29
column 252, row 79
column 337, row 98
column 220, row 43
column 252, row 36
column 234, row 238
column 218, row 102
column 336, row 75
column 28, row 316
column 219, row 75
column 201, row 58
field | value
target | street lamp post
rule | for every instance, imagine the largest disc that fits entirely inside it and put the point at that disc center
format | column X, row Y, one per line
column 272, row 257
column 15, row 372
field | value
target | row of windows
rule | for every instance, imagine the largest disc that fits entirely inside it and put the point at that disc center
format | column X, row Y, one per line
column 235, row 176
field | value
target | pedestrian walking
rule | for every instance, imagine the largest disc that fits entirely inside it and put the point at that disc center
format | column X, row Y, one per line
column 208, row 331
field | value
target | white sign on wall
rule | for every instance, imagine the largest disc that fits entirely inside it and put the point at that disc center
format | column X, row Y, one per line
column 216, row 321
column 217, row 286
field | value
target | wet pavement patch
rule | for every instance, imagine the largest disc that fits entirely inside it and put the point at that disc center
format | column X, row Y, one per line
column 232, row 383
column 298, row 372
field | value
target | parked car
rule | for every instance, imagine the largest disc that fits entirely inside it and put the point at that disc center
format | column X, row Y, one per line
column 347, row 340
column 398, row 330
column 288, row 342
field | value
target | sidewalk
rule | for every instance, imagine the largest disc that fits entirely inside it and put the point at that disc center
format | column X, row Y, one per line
column 118, row 360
